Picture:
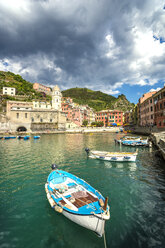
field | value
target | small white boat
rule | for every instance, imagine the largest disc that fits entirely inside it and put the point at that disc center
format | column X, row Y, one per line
column 77, row 200
column 128, row 138
column 112, row 156
column 133, row 141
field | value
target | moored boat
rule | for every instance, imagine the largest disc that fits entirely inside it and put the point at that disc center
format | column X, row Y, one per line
column 25, row 137
column 77, row 200
column 112, row 156
column 135, row 142
column 36, row 137
column 6, row 137
column 132, row 141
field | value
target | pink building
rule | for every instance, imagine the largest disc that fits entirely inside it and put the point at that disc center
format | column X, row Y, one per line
column 146, row 109
column 159, row 108
column 42, row 88
column 75, row 113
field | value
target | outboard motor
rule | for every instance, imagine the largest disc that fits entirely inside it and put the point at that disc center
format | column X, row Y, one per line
column 87, row 151
column 54, row 166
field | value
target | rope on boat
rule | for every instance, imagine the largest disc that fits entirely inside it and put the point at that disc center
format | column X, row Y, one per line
column 105, row 245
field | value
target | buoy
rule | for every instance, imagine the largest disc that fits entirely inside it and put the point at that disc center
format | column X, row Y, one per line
column 58, row 209
column 101, row 202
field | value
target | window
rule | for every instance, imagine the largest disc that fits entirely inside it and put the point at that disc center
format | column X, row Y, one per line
column 41, row 120
column 50, row 120
column 17, row 115
column 151, row 108
column 25, row 115
column 32, row 119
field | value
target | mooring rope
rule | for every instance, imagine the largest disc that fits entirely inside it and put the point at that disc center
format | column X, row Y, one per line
column 105, row 245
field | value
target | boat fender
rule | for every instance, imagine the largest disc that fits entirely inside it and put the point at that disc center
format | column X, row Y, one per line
column 58, row 209
column 101, row 202
column 125, row 157
column 114, row 158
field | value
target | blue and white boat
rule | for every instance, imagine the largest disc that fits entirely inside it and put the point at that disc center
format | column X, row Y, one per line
column 27, row 137
column 135, row 142
column 6, row 137
column 132, row 141
column 36, row 137
column 77, row 200
column 112, row 156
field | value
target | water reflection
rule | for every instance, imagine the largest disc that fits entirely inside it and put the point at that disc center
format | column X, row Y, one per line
column 136, row 193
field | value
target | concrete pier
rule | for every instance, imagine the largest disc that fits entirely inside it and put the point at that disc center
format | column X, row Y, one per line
column 158, row 140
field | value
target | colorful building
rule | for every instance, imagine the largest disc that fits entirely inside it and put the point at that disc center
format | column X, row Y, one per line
column 146, row 109
column 159, row 108
column 109, row 117
column 42, row 88
column 77, row 113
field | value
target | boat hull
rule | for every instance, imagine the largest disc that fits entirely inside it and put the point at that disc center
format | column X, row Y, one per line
column 131, row 158
column 91, row 222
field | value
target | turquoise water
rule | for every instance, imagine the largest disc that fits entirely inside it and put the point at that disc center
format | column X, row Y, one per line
column 136, row 193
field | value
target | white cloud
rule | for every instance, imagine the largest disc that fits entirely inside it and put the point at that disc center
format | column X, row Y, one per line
column 154, row 89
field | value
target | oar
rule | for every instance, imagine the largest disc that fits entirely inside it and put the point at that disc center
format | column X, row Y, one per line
column 67, row 201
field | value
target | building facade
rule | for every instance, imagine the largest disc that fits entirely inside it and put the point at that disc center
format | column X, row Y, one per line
column 9, row 91
column 42, row 88
column 109, row 117
column 23, row 117
column 146, row 109
column 159, row 108
column 77, row 113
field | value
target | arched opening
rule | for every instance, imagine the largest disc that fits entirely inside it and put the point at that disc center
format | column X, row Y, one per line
column 21, row 129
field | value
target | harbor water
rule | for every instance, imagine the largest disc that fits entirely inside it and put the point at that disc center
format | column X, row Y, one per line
column 136, row 193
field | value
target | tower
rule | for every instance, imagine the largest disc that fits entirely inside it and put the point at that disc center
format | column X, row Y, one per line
column 56, row 98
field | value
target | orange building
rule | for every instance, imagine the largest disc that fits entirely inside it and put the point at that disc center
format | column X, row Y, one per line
column 109, row 117
column 42, row 88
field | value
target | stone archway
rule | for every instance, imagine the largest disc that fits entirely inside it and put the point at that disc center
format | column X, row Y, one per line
column 21, row 129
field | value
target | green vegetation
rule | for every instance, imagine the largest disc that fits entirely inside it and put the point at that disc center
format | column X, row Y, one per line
column 85, row 123
column 24, row 89
column 95, row 99
column 97, row 124
column 98, row 100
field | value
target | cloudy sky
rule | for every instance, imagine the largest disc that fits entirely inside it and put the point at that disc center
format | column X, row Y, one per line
column 115, row 46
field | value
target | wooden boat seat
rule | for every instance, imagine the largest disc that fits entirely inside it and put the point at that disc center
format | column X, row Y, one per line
column 81, row 201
